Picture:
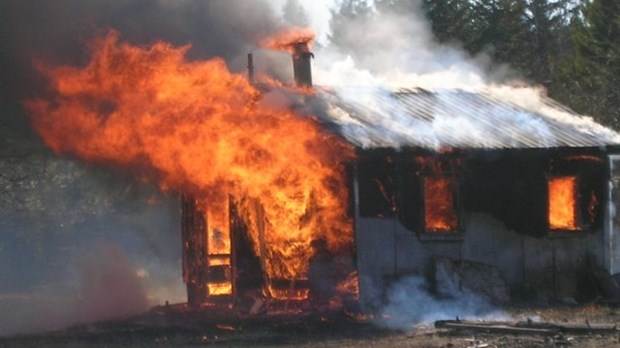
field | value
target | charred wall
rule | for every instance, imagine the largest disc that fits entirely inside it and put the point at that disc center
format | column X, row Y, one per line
column 502, row 202
column 510, row 185
column 194, row 249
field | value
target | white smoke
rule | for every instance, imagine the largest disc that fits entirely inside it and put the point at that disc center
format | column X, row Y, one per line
column 534, row 99
column 393, row 48
column 410, row 304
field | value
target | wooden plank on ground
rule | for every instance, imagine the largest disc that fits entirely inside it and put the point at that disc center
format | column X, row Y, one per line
column 527, row 327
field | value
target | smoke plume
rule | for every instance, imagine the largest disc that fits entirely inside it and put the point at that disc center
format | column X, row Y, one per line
column 393, row 45
column 57, row 32
column 410, row 304
column 376, row 50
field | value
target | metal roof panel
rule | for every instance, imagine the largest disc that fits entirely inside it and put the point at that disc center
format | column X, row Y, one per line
column 414, row 117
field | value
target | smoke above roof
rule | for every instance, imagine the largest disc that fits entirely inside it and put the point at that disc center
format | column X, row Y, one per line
column 450, row 98
column 393, row 45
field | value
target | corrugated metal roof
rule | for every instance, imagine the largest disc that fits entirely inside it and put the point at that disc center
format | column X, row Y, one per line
column 494, row 119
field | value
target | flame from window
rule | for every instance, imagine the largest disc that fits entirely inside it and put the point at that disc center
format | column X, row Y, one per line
column 218, row 230
column 439, row 209
column 219, row 248
column 562, row 208
column 219, row 289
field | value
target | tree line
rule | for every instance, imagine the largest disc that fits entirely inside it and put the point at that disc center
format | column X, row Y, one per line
column 571, row 47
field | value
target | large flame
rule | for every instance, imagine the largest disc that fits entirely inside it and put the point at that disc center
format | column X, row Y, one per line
column 198, row 128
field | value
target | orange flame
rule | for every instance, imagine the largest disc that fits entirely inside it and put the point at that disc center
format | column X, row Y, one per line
column 562, row 209
column 287, row 38
column 218, row 231
column 196, row 127
column 218, row 289
column 219, row 247
column 439, row 212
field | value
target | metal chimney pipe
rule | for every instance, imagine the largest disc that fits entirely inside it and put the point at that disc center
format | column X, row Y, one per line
column 250, row 68
column 301, row 64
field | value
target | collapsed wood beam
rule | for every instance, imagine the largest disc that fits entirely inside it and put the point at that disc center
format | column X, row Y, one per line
column 527, row 327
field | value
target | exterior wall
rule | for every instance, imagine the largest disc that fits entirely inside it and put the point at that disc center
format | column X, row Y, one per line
column 503, row 219
column 194, row 244
column 538, row 268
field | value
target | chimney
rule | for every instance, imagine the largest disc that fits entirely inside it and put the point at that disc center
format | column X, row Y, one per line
column 250, row 68
column 301, row 64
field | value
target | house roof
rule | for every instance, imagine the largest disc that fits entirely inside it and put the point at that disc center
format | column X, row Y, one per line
column 494, row 118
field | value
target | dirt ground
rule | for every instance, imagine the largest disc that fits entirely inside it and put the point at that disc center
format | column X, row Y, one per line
column 337, row 329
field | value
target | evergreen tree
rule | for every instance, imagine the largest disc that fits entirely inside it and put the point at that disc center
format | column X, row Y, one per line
column 498, row 28
column 451, row 20
column 547, row 23
column 590, row 78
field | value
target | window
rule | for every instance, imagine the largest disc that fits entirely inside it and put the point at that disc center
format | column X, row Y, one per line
column 376, row 185
column 562, row 204
column 440, row 213
column 219, row 270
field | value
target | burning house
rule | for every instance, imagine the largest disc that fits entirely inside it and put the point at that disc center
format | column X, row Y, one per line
column 487, row 177
column 479, row 179
column 235, row 248
column 373, row 185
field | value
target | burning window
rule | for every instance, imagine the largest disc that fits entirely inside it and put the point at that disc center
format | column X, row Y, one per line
column 563, row 203
column 207, row 249
column 440, row 214
column 219, row 272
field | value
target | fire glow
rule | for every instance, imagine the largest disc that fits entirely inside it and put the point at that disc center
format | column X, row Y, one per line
column 285, row 40
column 219, row 250
column 439, row 212
column 562, row 209
column 197, row 128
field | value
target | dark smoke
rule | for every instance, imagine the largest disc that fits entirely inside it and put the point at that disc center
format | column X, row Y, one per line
column 56, row 31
